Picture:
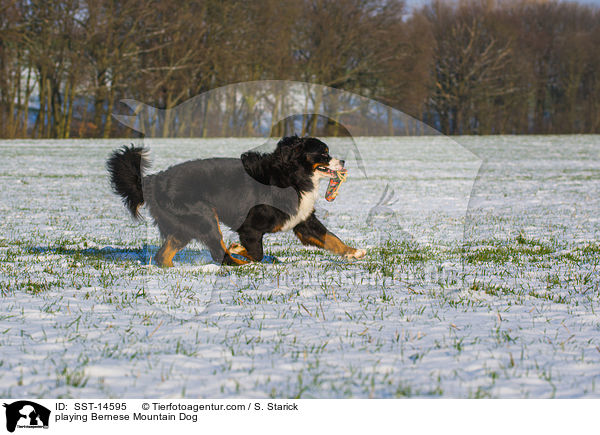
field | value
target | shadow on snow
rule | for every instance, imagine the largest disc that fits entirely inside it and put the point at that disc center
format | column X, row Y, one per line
column 141, row 255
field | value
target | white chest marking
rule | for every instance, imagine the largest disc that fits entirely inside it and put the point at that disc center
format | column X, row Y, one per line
column 305, row 208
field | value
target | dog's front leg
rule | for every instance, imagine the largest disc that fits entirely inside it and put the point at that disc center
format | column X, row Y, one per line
column 250, row 246
column 253, row 253
column 312, row 232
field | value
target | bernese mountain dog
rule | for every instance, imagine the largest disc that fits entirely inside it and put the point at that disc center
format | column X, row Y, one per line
column 256, row 194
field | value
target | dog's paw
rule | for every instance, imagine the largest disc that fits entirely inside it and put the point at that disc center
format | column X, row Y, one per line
column 236, row 248
column 358, row 254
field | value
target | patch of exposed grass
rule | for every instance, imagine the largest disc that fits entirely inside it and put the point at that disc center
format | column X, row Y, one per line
column 498, row 252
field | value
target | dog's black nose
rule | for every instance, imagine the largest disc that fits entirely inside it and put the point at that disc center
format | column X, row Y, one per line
column 342, row 162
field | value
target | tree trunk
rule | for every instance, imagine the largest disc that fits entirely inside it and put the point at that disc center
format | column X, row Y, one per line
column 109, row 109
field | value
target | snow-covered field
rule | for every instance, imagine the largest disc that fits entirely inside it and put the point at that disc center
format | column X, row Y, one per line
column 481, row 279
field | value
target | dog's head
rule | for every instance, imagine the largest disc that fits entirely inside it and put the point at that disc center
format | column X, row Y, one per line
column 311, row 154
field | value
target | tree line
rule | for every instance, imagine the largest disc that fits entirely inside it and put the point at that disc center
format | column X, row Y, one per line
column 472, row 67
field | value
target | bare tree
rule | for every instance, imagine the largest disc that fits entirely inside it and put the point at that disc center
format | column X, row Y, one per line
column 470, row 66
column 477, row 66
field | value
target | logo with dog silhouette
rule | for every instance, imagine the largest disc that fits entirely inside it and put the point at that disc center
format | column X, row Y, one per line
column 25, row 414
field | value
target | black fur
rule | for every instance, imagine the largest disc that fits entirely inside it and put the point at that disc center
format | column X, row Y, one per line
column 126, row 166
column 253, row 195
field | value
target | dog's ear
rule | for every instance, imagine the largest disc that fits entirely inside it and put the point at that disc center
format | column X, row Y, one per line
column 289, row 151
column 288, row 141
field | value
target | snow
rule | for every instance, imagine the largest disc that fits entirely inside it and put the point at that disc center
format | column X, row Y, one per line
column 481, row 279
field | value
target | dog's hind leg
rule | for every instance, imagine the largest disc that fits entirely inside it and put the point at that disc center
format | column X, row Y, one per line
column 209, row 233
column 172, row 244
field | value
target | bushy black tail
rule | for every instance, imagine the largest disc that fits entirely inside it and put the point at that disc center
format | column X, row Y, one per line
column 126, row 166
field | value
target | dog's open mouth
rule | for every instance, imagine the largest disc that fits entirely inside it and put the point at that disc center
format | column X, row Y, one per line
column 325, row 170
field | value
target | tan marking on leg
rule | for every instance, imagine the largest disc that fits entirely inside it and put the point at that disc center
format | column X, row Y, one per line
column 310, row 241
column 164, row 256
column 333, row 244
column 235, row 260
column 227, row 252
column 236, row 248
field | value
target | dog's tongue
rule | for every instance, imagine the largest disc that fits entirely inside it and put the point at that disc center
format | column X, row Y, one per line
column 334, row 184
